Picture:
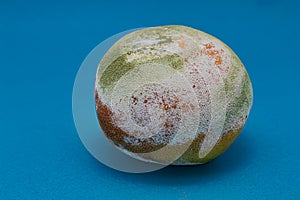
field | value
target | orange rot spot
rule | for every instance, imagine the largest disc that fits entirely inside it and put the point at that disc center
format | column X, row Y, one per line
column 208, row 46
column 181, row 44
column 174, row 106
column 218, row 60
column 212, row 53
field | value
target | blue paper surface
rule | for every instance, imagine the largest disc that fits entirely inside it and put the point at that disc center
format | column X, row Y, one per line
column 42, row 45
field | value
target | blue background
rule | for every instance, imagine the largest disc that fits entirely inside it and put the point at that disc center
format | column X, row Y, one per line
column 41, row 48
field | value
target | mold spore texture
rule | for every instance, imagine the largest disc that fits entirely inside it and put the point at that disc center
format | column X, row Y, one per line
column 167, row 86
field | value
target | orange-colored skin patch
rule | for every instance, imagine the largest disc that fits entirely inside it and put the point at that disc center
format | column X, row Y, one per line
column 117, row 135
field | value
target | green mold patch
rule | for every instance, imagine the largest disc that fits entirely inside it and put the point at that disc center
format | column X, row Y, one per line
column 115, row 71
column 121, row 66
column 240, row 101
column 164, row 39
column 174, row 60
column 236, row 67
